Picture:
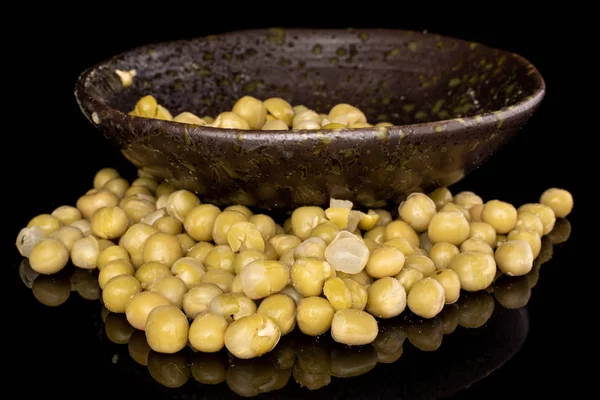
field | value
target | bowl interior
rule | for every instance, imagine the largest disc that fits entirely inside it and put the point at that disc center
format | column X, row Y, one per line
column 397, row 76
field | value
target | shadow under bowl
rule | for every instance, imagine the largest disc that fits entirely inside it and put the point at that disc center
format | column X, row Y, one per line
column 453, row 104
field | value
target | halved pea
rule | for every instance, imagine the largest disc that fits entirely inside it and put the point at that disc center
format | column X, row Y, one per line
column 189, row 270
column 245, row 236
column 337, row 293
column 369, row 220
column 232, row 306
column 347, row 253
column 308, row 276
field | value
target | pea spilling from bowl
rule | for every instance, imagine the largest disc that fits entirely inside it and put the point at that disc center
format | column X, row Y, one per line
column 229, row 278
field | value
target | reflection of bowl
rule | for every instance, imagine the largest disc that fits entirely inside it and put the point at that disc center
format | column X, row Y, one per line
column 410, row 358
column 453, row 102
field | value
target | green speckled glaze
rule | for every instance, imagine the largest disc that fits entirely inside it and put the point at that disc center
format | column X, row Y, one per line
column 453, row 104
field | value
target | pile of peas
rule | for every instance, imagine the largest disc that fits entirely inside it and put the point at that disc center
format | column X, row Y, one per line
column 273, row 114
column 244, row 281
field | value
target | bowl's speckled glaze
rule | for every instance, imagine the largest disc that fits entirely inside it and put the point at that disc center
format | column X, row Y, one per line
column 453, row 103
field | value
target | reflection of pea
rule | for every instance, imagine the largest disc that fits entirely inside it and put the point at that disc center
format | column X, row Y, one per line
column 348, row 362
column 475, row 309
column 561, row 231
column 104, row 313
column 426, row 335
column 547, row 250
column 390, row 358
column 283, row 376
column 89, row 290
column 311, row 381
column 313, row 365
column 51, row 290
column 118, row 329
column 449, row 317
column 170, row 370
column 390, row 338
column 313, row 356
column 251, row 377
column 512, row 292
column 26, row 273
column 85, row 284
column 209, row 368
column 534, row 275
column 284, row 355
column 139, row 348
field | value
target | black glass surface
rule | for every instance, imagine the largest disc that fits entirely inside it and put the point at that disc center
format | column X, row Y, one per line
column 65, row 346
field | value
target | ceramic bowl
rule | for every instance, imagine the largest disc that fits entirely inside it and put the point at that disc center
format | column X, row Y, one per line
column 453, row 103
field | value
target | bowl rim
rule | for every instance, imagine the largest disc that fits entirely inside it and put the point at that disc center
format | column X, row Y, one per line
column 451, row 126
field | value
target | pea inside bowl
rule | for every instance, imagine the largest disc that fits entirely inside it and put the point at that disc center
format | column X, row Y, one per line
column 451, row 104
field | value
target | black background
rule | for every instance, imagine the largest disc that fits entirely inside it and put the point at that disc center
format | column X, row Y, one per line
column 54, row 153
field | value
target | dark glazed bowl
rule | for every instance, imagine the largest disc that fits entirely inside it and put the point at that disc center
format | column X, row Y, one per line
column 453, row 103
